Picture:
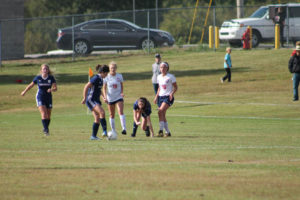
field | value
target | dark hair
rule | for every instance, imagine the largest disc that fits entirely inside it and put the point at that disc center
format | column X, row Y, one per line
column 145, row 102
column 166, row 64
column 102, row 68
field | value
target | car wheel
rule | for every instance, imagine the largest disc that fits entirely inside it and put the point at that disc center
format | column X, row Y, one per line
column 81, row 47
column 144, row 44
column 256, row 38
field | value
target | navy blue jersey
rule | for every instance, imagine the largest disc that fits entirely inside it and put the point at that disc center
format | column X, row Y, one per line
column 44, row 84
column 147, row 111
column 95, row 91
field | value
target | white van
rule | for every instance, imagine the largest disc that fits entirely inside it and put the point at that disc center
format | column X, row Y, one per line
column 262, row 25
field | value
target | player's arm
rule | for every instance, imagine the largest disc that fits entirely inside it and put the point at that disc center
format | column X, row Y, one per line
column 136, row 119
column 150, row 125
column 122, row 94
column 175, row 87
column 85, row 90
column 27, row 88
column 104, row 92
column 53, row 88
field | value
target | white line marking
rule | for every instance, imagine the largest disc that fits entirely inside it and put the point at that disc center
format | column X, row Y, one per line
column 231, row 103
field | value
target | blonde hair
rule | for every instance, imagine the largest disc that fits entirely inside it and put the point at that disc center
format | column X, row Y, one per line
column 113, row 63
column 298, row 43
column 46, row 65
column 228, row 48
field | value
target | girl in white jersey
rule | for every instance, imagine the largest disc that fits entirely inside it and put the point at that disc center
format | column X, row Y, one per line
column 165, row 97
column 113, row 93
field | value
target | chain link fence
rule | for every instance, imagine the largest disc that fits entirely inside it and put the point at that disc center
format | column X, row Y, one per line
column 40, row 34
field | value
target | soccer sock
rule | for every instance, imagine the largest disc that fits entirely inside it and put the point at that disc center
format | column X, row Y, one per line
column 166, row 127
column 112, row 124
column 135, row 127
column 123, row 121
column 48, row 122
column 161, row 125
column 44, row 122
column 95, row 129
column 147, row 129
column 103, row 124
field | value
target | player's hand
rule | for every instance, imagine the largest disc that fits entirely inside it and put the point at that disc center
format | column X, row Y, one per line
column 23, row 93
column 83, row 101
column 171, row 97
column 155, row 100
column 122, row 95
column 137, row 123
column 49, row 90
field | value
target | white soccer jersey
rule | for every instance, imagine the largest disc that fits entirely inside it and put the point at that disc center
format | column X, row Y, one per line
column 165, row 84
column 113, row 87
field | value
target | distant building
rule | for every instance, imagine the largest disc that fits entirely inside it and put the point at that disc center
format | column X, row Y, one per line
column 12, row 31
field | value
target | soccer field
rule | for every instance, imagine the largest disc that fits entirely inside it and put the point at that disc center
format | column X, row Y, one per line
column 236, row 140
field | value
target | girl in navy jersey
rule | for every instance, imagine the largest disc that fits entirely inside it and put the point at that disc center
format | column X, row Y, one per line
column 113, row 93
column 46, row 85
column 165, row 97
column 142, row 107
column 91, row 97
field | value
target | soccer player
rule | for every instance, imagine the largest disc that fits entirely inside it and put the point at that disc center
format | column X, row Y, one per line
column 156, row 71
column 142, row 107
column 113, row 94
column 46, row 85
column 91, row 97
column 165, row 97
column 227, row 66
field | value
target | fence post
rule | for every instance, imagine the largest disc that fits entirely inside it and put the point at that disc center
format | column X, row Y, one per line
column 156, row 13
column 288, row 27
column 148, row 24
column 214, row 28
column 217, row 40
column 250, row 41
column 210, row 38
column 73, row 45
column 133, row 10
column 0, row 46
column 277, row 36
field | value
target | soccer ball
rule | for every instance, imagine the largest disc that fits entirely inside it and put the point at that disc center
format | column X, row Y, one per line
column 112, row 135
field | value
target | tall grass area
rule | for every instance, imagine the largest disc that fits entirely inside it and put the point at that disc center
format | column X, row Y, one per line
column 237, row 140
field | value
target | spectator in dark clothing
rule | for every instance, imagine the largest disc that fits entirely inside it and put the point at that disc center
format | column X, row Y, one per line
column 279, row 19
column 294, row 67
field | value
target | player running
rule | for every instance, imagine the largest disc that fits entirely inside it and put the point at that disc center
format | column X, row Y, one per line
column 142, row 107
column 91, row 97
column 46, row 85
column 165, row 97
column 113, row 93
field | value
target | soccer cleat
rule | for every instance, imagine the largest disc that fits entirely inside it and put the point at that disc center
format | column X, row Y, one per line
column 147, row 132
column 160, row 133
column 124, row 132
column 46, row 132
column 132, row 134
column 104, row 134
column 168, row 134
column 94, row 138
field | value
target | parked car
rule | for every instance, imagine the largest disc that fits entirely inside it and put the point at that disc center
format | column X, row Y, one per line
column 262, row 25
column 110, row 34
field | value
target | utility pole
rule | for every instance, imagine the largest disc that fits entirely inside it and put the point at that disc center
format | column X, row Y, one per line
column 240, row 8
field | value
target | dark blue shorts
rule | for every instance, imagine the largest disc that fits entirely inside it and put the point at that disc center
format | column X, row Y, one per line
column 146, row 113
column 44, row 101
column 165, row 99
column 92, row 103
column 114, row 102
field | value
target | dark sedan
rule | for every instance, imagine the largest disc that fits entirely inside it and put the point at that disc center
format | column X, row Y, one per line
column 110, row 34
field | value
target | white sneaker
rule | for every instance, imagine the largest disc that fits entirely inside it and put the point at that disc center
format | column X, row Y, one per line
column 94, row 138
column 221, row 79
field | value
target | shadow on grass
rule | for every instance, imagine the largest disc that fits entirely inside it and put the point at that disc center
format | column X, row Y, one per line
column 79, row 78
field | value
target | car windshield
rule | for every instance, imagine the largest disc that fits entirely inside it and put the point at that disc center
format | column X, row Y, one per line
column 259, row 13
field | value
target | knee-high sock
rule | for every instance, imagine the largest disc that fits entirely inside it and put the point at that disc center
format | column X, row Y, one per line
column 135, row 127
column 95, row 129
column 166, row 127
column 161, row 125
column 45, row 124
column 123, row 121
column 112, row 124
column 103, row 124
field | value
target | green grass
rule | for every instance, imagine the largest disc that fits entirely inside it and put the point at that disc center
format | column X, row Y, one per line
column 229, row 141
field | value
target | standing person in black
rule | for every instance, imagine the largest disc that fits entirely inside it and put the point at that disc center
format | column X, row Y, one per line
column 294, row 67
column 279, row 19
